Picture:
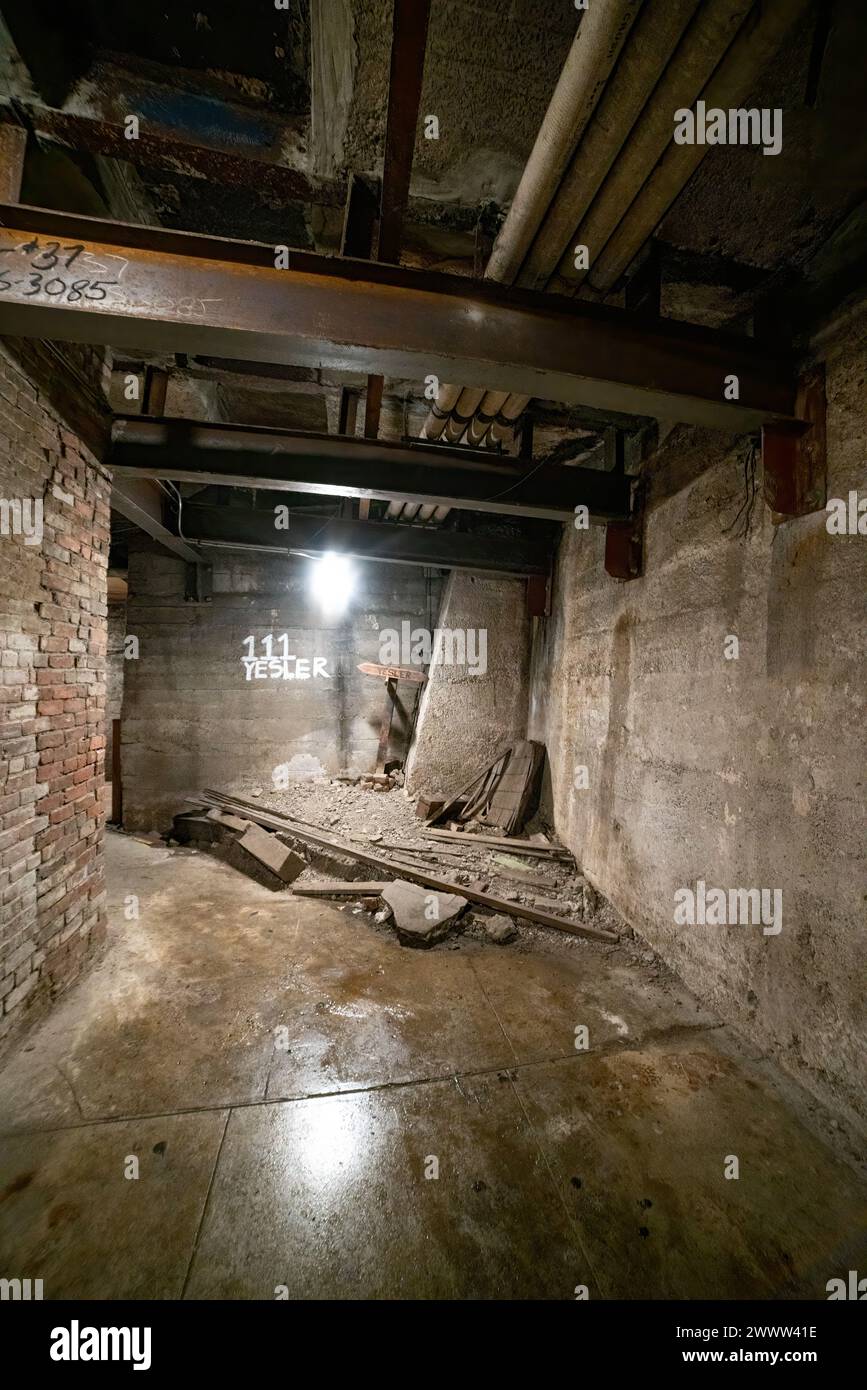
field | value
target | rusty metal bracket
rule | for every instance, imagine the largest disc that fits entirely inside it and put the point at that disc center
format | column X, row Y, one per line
column 624, row 542
column 794, row 454
column 199, row 583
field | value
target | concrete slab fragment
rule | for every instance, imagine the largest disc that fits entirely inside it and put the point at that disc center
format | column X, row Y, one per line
column 421, row 915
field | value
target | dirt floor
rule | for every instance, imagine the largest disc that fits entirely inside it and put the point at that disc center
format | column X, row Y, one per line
column 253, row 1095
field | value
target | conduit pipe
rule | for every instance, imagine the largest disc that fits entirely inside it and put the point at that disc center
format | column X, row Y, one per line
column 657, row 32
column 700, row 50
column 755, row 46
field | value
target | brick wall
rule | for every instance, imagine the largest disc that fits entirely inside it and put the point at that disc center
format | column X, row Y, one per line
column 52, row 691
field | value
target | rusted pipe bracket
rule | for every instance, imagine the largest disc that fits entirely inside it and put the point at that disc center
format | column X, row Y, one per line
column 794, row 455
column 624, row 542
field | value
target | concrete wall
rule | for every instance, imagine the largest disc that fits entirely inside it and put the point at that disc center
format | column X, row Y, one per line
column 467, row 719
column 52, row 693
column 192, row 719
column 747, row 772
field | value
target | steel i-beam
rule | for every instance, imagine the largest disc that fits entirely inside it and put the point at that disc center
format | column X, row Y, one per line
column 85, row 280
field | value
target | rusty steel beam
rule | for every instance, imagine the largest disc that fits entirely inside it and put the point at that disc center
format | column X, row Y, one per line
column 140, row 501
column 794, row 456
column 335, row 466
column 172, row 291
column 437, row 548
column 243, row 167
column 409, row 40
column 408, row 44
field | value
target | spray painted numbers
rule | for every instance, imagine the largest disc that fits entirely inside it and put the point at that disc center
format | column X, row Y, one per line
column 35, row 270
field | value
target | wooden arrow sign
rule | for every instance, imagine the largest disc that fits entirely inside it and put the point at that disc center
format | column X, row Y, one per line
column 393, row 673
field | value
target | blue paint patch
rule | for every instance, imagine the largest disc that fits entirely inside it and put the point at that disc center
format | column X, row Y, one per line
column 211, row 120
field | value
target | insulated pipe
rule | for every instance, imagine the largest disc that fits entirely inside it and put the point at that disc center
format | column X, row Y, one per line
column 447, row 399
column 441, row 513
column 732, row 83
column 594, row 51
column 426, row 512
column 410, row 510
column 394, row 510
column 692, row 64
column 468, row 403
column 504, row 426
column 657, row 31
column 490, row 406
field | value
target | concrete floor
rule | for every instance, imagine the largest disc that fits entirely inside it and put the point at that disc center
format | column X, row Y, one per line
column 304, row 1166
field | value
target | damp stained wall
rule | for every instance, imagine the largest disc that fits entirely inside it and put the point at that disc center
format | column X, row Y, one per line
column 191, row 718
column 744, row 773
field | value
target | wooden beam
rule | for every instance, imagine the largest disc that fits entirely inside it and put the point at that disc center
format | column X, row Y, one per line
column 13, row 143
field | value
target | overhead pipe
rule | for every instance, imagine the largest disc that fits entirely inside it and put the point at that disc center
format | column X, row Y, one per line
column 700, row 50
column 657, row 32
column 489, row 408
column 757, row 43
column 503, row 427
column 467, row 404
column 594, row 51
column 447, row 399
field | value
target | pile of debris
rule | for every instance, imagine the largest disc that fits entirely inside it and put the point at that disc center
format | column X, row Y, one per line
column 409, row 887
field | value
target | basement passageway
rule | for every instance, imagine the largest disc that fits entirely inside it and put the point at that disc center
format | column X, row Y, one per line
column 313, row 1106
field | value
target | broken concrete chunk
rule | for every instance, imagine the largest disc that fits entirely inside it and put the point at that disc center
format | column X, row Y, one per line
column 421, row 915
column 271, row 852
column 500, row 929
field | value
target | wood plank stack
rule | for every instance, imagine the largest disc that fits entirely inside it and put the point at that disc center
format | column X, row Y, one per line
column 504, row 794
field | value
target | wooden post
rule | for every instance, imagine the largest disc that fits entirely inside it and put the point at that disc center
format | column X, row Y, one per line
column 116, row 784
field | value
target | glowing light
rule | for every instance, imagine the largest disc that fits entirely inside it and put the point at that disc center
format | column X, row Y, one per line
column 332, row 582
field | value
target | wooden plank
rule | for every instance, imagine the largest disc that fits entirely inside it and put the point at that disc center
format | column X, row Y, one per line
column 385, row 727
column 469, row 838
column 116, row 777
column 338, row 888
column 13, row 142
column 414, row 873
